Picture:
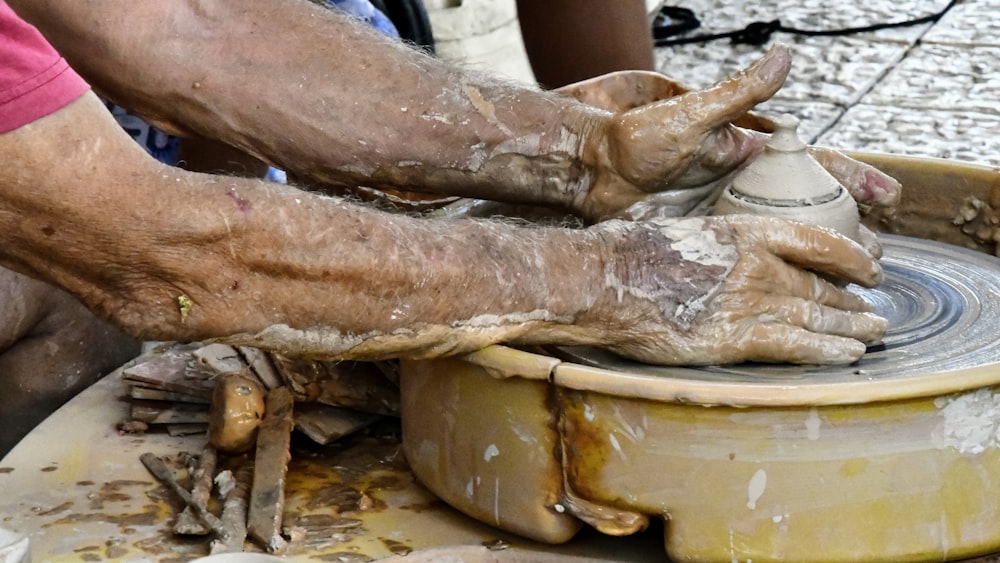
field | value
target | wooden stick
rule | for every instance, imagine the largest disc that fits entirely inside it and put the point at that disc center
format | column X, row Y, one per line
column 267, row 498
column 187, row 521
column 234, row 512
column 160, row 470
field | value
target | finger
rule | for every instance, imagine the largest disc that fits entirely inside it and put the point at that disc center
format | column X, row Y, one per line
column 784, row 279
column 776, row 343
column 723, row 150
column 866, row 184
column 869, row 240
column 623, row 90
column 654, row 144
column 820, row 319
column 672, row 203
column 733, row 97
column 814, row 248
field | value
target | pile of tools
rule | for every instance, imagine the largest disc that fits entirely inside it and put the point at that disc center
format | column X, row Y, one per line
column 247, row 403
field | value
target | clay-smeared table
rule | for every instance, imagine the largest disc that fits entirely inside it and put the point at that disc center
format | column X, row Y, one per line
column 77, row 488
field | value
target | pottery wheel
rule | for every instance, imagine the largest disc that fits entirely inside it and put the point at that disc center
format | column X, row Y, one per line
column 943, row 307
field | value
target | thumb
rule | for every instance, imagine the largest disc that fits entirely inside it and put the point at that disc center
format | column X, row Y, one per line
column 728, row 100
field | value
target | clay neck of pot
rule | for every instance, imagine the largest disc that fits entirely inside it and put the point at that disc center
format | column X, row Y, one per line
column 785, row 175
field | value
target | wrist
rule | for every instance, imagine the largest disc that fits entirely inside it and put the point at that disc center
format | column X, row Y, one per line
column 572, row 265
column 588, row 134
column 546, row 155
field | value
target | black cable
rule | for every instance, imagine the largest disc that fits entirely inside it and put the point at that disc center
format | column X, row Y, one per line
column 674, row 20
column 411, row 21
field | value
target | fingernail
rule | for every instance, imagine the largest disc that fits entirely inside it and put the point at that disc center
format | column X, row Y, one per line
column 878, row 275
column 775, row 66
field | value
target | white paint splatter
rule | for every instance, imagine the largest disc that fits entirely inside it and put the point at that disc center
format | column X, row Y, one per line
column 491, row 452
column 699, row 244
column 813, row 423
column 971, row 421
column 755, row 488
column 616, row 445
column 525, row 435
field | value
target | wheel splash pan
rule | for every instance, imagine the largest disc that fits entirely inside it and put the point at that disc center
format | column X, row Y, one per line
column 894, row 458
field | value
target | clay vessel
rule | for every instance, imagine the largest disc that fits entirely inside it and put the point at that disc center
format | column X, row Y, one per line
column 785, row 181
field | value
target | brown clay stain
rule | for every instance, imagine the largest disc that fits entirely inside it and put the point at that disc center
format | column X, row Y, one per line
column 139, row 519
column 395, row 547
column 319, row 522
column 57, row 509
column 343, row 557
column 585, row 447
column 115, row 551
column 435, row 504
column 167, row 544
column 114, row 491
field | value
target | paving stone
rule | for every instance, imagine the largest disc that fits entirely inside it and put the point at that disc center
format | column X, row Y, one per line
column 943, row 77
column 930, row 90
column 815, row 118
column 961, row 135
column 968, row 23
column 701, row 65
column 836, row 70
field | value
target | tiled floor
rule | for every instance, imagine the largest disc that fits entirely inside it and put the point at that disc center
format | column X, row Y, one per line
column 930, row 90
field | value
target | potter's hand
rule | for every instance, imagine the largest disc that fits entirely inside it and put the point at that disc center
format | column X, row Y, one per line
column 662, row 159
column 728, row 289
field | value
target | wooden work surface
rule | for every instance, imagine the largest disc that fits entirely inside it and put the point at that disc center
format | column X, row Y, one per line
column 77, row 487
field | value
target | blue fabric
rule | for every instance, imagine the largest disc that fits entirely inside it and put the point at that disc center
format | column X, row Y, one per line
column 165, row 148
column 366, row 12
column 161, row 146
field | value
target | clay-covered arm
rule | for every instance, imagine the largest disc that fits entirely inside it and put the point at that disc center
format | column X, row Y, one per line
column 171, row 254
column 314, row 92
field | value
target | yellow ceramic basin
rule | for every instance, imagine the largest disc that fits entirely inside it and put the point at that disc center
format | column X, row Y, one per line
column 751, row 464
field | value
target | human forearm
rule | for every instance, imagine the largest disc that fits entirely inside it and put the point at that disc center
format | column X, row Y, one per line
column 178, row 255
column 307, row 90
column 174, row 255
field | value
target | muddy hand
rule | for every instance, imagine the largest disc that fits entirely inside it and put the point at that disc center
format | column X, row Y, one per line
column 662, row 159
column 867, row 184
column 623, row 90
column 728, row 289
column 678, row 143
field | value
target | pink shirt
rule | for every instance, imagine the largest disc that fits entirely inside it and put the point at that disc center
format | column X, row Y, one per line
column 34, row 80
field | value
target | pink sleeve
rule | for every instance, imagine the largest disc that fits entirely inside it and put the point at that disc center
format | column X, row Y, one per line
column 34, row 80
